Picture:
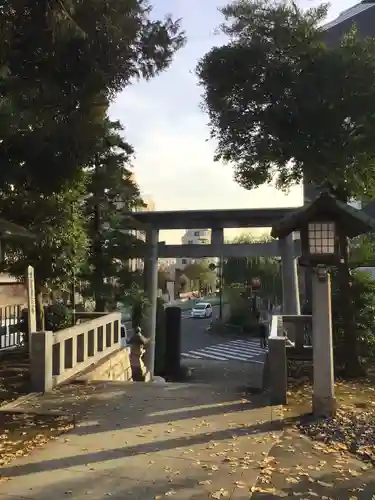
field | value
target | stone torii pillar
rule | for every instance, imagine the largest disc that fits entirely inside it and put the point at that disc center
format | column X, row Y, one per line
column 217, row 238
column 291, row 302
column 151, row 291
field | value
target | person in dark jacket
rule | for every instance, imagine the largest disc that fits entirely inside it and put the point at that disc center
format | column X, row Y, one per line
column 263, row 330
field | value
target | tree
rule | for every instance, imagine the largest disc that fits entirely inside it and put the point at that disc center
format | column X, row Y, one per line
column 163, row 277
column 242, row 270
column 111, row 195
column 362, row 251
column 200, row 275
column 61, row 243
column 283, row 106
column 61, row 63
column 363, row 293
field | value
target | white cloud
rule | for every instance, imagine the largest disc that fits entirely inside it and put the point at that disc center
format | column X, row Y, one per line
column 174, row 162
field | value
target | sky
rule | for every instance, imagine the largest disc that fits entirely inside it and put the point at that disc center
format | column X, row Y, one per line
column 163, row 121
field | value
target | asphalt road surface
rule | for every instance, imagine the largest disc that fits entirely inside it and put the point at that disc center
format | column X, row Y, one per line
column 199, row 343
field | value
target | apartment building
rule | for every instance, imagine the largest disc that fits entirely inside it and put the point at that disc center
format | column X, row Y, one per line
column 149, row 206
column 362, row 15
column 137, row 264
column 193, row 237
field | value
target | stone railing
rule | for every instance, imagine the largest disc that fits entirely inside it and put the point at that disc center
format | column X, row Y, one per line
column 289, row 335
column 59, row 356
column 298, row 330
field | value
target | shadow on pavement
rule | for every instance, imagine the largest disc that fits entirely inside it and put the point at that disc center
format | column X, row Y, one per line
column 140, row 449
column 194, row 486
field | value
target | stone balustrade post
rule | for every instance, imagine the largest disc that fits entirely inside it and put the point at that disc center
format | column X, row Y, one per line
column 41, row 361
column 277, row 366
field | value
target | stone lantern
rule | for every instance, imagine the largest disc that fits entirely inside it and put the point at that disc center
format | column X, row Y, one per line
column 322, row 225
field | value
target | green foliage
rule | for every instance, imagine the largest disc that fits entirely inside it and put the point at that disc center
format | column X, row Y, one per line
column 200, row 274
column 243, row 270
column 363, row 293
column 362, row 251
column 111, row 195
column 61, row 242
column 136, row 299
column 241, row 314
column 183, row 281
column 57, row 317
column 65, row 168
column 163, row 277
column 285, row 107
column 60, row 65
column 282, row 105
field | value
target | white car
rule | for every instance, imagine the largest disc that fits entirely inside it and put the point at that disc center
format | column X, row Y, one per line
column 124, row 335
column 201, row 310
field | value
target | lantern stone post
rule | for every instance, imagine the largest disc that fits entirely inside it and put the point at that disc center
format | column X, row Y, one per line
column 321, row 224
column 324, row 401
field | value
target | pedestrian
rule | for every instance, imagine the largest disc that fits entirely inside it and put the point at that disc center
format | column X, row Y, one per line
column 137, row 344
column 263, row 330
column 257, row 316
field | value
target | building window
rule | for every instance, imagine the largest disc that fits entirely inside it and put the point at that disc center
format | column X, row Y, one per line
column 190, row 242
column 183, row 261
column 197, row 233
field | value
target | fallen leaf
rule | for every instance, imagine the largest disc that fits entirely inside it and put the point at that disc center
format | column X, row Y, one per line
column 219, row 494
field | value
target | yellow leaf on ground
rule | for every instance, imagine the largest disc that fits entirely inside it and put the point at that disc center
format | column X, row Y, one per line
column 219, row 494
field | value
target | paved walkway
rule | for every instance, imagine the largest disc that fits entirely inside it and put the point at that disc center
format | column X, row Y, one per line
column 142, row 442
column 194, row 441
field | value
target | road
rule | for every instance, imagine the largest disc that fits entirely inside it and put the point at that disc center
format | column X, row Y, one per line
column 199, row 343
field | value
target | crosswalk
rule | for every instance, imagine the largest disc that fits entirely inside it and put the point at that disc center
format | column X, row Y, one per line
column 234, row 350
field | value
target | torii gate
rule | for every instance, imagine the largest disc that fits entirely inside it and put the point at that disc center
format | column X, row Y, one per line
column 217, row 220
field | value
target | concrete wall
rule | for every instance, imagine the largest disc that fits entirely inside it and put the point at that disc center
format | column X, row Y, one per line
column 115, row 367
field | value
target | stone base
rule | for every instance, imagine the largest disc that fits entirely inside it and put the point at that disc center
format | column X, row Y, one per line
column 115, row 367
column 324, row 407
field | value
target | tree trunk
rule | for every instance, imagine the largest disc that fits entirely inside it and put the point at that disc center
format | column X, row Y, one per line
column 39, row 306
column 98, row 277
column 351, row 360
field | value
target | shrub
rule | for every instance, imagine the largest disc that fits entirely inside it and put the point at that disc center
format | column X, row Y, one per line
column 363, row 293
column 241, row 313
column 57, row 317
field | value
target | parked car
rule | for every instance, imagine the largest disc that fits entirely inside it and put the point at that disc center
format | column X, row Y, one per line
column 201, row 310
column 124, row 334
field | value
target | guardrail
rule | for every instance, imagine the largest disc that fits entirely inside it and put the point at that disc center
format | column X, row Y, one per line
column 58, row 356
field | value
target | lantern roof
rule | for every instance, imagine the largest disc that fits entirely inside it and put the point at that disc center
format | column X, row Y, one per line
column 10, row 231
column 328, row 207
